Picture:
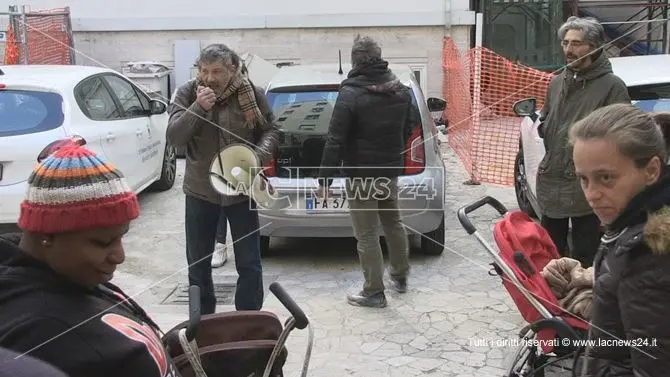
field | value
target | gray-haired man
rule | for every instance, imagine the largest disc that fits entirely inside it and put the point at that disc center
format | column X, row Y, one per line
column 586, row 83
column 368, row 128
column 217, row 109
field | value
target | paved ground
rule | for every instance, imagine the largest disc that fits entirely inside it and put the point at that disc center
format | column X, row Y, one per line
column 431, row 330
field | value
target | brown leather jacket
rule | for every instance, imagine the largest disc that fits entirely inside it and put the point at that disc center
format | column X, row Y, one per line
column 190, row 126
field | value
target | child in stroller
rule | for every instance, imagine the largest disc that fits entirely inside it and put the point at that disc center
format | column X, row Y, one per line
column 235, row 344
column 552, row 332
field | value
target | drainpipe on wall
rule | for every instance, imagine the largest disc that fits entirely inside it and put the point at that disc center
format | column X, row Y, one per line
column 446, row 13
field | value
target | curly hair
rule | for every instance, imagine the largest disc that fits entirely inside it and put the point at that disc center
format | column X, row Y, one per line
column 365, row 51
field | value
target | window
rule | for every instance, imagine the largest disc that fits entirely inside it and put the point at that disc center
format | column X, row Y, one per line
column 130, row 100
column 417, row 75
column 306, row 108
column 304, row 129
column 651, row 98
column 304, row 118
column 24, row 112
column 419, row 71
column 96, row 101
column 144, row 101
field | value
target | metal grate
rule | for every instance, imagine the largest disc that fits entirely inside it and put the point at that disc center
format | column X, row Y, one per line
column 225, row 294
column 223, row 289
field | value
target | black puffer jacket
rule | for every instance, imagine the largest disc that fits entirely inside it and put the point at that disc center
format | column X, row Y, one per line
column 371, row 121
column 631, row 296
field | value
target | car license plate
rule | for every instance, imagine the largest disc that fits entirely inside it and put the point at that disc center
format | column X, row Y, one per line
column 330, row 204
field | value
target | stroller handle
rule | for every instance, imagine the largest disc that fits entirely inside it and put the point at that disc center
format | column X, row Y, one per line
column 194, row 314
column 301, row 320
column 465, row 210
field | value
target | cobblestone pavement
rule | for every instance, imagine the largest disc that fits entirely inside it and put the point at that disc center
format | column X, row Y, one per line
column 431, row 330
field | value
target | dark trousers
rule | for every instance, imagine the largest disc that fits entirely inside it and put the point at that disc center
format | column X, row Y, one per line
column 222, row 230
column 586, row 236
column 202, row 219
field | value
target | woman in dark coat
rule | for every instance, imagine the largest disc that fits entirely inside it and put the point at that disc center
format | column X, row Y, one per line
column 619, row 153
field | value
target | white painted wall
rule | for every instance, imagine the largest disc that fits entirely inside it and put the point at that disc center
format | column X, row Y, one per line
column 111, row 33
column 415, row 46
column 131, row 15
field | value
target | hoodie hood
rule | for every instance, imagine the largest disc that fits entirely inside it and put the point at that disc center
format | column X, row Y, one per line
column 600, row 67
column 651, row 207
column 577, row 79
column 36, row 303
column 20, row 273
column 375, row 77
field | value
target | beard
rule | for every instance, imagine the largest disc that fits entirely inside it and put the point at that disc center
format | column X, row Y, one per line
column 577, row 62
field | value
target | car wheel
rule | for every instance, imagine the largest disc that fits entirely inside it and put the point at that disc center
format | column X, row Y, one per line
column 432, row 243
column 265, row 246
column 520, row 188
column 168, row 170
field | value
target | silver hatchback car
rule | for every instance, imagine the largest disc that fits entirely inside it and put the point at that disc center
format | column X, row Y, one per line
column 302, row 98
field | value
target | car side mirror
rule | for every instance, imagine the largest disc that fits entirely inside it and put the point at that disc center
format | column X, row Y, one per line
column 525, row 107
column 157, row 107
column 436, row 104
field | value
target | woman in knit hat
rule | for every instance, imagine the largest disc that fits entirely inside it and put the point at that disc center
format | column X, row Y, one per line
column 56, row 299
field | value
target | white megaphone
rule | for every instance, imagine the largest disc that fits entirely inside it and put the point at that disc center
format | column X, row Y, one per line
column 237, row 170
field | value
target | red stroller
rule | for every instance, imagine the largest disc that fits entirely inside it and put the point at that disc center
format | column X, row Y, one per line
column 525, row 249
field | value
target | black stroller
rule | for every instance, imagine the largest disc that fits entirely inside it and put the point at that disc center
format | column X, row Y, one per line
column 236, row 344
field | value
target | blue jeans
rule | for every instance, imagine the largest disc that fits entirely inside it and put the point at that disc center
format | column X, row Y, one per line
column 202, row 219
column 222, row 230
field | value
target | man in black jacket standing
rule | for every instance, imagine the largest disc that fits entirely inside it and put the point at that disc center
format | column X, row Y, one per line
column 368, row 131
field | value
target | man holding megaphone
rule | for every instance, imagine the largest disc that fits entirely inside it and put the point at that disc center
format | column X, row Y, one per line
column 220, row 108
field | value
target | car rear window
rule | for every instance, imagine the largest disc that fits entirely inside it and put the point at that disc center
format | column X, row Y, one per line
column 25, row 112
column 651, row 98
column 304, row 118
column 303, row 113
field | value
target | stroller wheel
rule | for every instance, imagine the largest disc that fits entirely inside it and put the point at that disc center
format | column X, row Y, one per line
column 527, row 360
column 524, row 362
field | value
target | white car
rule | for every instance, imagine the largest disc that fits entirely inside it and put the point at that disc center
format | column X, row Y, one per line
column 302, row 98
column 648, row 80
column 43, row 104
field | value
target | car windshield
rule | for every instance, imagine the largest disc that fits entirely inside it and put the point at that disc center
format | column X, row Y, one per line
column 651, row 98
column 25, row 112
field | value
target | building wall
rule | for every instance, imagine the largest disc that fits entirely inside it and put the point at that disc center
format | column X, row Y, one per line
column 299, row 31
column 124, row 15
column 420, row 47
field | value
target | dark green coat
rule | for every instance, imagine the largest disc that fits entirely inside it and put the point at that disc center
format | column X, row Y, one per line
column 571, row 96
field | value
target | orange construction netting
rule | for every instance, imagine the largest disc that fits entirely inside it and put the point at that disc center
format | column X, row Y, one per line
column 11, row 47
column 49, row 39
column 480, row 87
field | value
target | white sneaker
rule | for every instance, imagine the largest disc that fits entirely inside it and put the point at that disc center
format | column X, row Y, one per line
column 220, row 255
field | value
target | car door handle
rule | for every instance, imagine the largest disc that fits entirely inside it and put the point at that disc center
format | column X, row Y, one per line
column 110, row 137
column 138, row 132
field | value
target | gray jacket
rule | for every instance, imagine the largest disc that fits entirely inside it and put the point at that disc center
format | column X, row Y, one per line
column 571, row 96
column 192, row 128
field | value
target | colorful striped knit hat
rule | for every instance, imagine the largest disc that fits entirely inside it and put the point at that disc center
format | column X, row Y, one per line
column 73, row 189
